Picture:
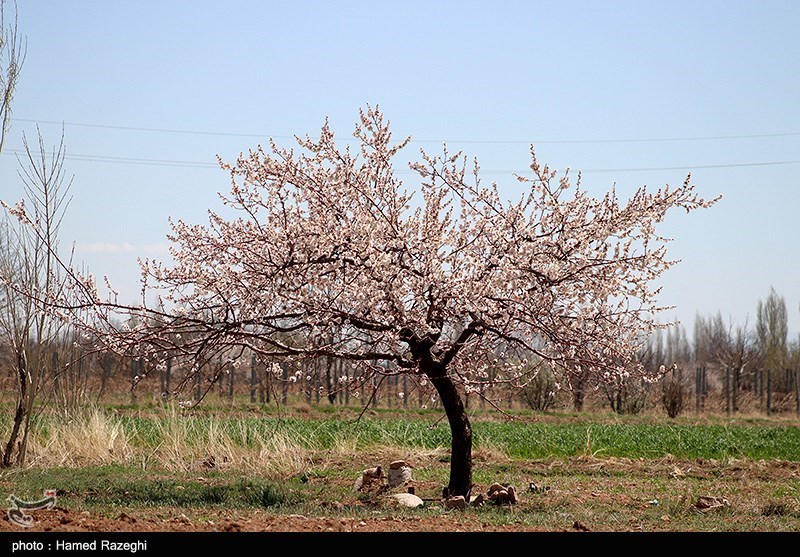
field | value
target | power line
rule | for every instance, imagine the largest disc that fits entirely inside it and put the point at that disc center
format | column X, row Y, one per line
column 199, row 164
column 465, row 141
column 692, row 166
column 141, row 129
column 125, row 160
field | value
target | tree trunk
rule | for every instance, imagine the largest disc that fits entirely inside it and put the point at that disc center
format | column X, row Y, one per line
column 577, row 399
column 460, row 430
column 19, row 414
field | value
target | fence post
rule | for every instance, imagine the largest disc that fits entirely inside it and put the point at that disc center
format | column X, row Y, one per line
column 198, row 379
column 705, row 387
column 316, row 383
column 339, row 384
column 736, row 390
column 346, row 385
column 265, row 386
column 162, row 380
column 169, row 375
column 405, row 390
column 56, row 374
column 231, row 380
column 727, row 392
column 285, row 382
column 134, row 373
column 797, row 388
column 755, row 382
column 253, row 376
column 697, row 390
column 388, row 387
column 769, row 392
column 308, row 380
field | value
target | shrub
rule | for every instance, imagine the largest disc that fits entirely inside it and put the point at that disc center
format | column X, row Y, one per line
column 540, row 393
column 626, row 396
column 672, row 395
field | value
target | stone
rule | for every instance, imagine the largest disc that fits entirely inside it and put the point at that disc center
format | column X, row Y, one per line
column 708, row 503
column 533, row 488
column 407, row 500
column 580, row 526
column 369, row 478
column 502, row 494
column 494, row 487
column 455, row 502
column 399, row 475
column 512, row 495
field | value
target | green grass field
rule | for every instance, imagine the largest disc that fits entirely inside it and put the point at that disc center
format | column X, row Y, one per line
column 517, row 440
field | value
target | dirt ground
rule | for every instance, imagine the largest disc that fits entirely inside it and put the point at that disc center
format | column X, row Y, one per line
column 584, row 494
column 62, row 520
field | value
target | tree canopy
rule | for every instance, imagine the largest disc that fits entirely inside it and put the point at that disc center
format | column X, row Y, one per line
column 323, row 251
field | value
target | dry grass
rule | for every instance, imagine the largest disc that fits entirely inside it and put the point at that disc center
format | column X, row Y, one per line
column 183, row 446
column 95, row 438
column 89, row 439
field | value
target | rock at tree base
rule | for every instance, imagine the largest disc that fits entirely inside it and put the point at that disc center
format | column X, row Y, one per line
column 455, row 502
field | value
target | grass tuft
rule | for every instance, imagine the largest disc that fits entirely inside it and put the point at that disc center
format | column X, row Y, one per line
column 91, row 438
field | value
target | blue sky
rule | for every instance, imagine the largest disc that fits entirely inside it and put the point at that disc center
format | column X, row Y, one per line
column 618, row 89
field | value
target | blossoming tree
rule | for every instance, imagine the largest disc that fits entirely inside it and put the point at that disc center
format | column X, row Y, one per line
column 325, row 252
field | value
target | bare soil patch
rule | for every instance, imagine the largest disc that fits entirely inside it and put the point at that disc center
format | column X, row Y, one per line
column 583, row 493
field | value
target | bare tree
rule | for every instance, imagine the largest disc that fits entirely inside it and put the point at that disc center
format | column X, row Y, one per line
column 435, row 282
column 28, row 263
column 772, row 332
column 677, row 349
column 13, row 48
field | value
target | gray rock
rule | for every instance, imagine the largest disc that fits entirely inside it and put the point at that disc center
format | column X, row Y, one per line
column 407, row 500
column 399, row 475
